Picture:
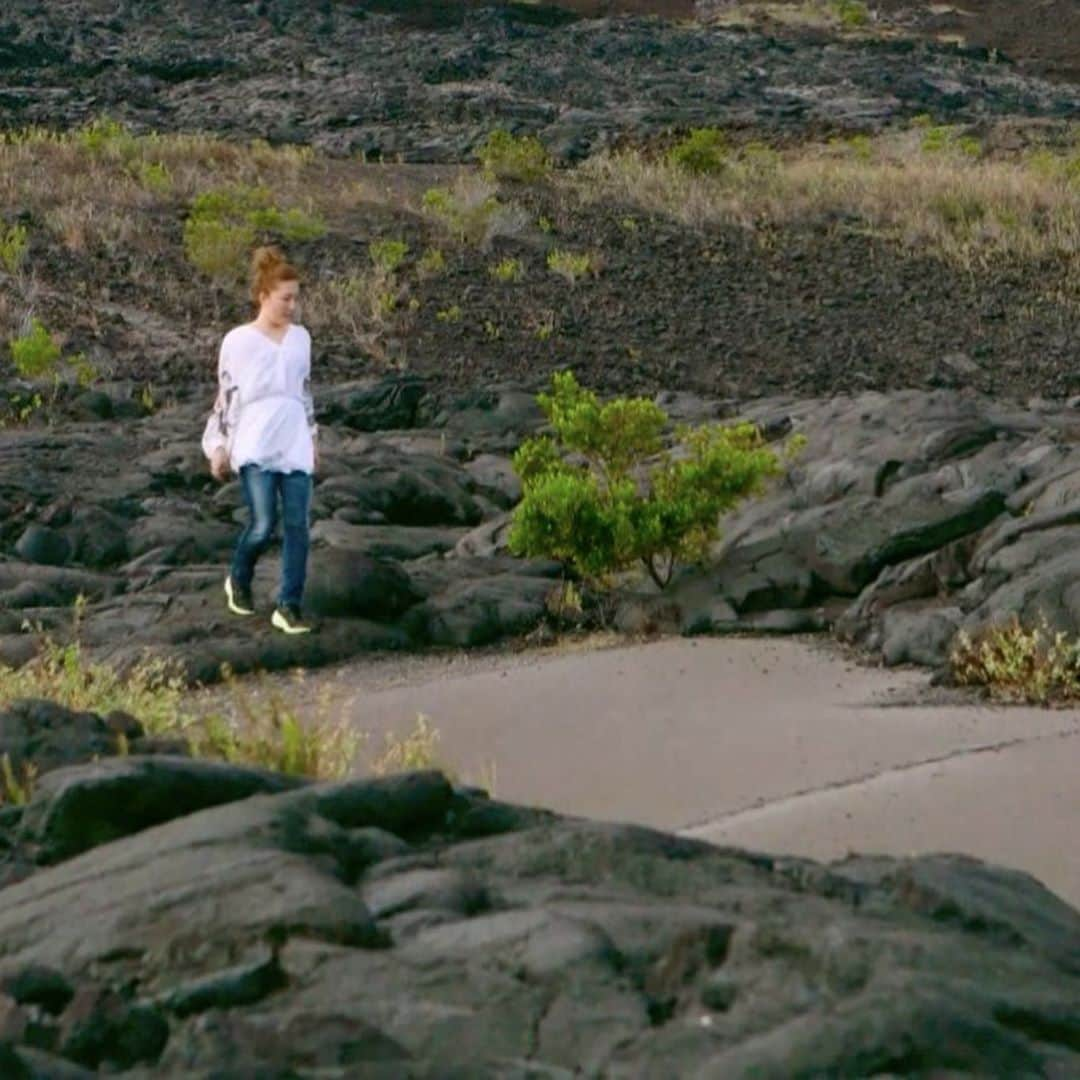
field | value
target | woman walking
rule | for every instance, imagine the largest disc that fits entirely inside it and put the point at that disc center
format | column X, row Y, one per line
column 263, row 428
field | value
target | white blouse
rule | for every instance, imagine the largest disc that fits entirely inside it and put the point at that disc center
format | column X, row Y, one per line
column 264, row 414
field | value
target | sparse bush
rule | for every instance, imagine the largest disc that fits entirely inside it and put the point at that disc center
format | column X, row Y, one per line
column 431, row 263
column 35, row 352
column 542, row 324
column 218, row 249
column 86, row 373
column 508, row 157
column 412, row 752
column 471, row 213
column 107, row 138
column 388, row 255
column 268, row 733
column 14, row 243
column 631, row 501
column 704, row 151
column 1019, row 664
column 21, row 408
column 451, row 314
column 153, row 176
column 16, row 786
column 852, row 14
column 507, row 270
column 941, row 138
column 571, row 265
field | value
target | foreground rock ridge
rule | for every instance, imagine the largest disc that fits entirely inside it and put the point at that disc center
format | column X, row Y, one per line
column 234, row 923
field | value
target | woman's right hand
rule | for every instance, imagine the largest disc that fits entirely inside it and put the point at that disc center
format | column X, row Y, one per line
column 219, row 465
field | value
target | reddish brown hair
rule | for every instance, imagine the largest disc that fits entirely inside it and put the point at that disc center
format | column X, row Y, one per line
column 269, row 268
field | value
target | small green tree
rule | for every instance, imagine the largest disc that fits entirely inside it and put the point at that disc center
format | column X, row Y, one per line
column 622, row 498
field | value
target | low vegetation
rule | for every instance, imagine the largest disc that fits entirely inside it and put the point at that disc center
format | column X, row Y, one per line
column 224, row 224
column 605, row 494
column 256, row 727
column 571, row 265
column 471, row 212
column 1019, row 664
column 14, row 244
column 523, row 159
column 843, row 15
column 927, row 187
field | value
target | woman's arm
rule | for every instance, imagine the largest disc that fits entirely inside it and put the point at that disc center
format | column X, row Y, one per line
column 309, row 403
column 222, row 420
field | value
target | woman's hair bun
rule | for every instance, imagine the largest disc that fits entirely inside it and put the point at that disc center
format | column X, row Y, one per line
column 269, row 268
column 266, row 258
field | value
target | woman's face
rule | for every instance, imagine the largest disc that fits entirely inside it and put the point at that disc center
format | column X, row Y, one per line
column 278, row 305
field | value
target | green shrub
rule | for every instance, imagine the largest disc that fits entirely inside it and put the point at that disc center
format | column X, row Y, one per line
column 13, row 247
column 942, row 138
column 107, row 138
column 1019, row 664
column 507, row 157
column 468, row 215
column 703, row 151
column 153, row 176
column 224, row 223
column 507, row 270
column 630, row 501
column 851, row 13
column 431, row 263
column 218, row 249
column 570, row 265
column 20, row 408
column 35, row 352
column 388, row 255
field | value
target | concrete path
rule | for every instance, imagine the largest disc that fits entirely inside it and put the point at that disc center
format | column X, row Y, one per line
column 774, row 745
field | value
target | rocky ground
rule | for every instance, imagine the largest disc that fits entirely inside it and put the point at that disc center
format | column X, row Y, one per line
column 370, row 78
column 230, row 921
column 907, row 517
column 910, row 513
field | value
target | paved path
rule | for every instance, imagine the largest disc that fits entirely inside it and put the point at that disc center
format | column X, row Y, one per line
column 774, row 745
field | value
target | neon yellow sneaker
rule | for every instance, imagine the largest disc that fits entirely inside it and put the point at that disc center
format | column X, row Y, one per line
column 288, row 620
column 240, row 602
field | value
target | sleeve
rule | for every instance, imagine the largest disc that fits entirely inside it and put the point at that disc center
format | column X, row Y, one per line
column 222, row 421
column 306, row 396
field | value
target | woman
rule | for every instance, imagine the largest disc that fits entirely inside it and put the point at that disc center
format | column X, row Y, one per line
column 263, row 428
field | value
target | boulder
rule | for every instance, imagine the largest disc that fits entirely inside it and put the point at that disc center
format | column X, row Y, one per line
column 343, row 582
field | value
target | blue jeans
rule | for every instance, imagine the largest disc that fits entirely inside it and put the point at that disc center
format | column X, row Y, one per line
column 262, row 489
